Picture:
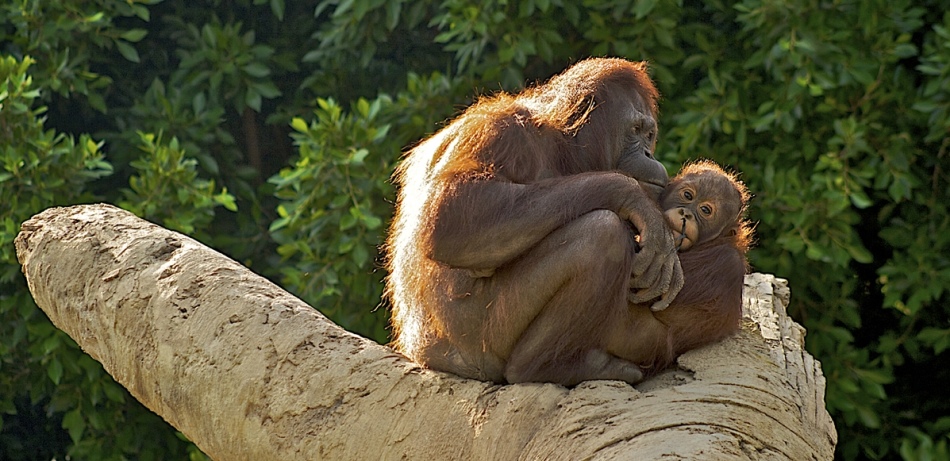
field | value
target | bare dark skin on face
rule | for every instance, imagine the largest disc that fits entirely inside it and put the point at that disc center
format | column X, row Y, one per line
column 510, row 251
column 704, row 207
column 701, row 205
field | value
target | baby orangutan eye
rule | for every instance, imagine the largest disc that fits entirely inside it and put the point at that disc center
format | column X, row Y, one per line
column 706, row 210
column 687, row 195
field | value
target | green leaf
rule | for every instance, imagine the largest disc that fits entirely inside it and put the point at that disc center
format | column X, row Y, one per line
column 357, row 156
column 343, row 7
column 874, row 376
column 393, row 10
column 113, row 392
column 860, row 200
column 868, row 416
column 278, row 7
column 75, row 424
column 643, row 7
column 860, row 253
column 938, row 338
column 226, row 199
column 299, row 124
column 256, row 69
column 848, row 386
column 54, row 370
column 253, row 100
column 905, row 50
column 142, row 12
column 51, row 344
column 347, row 221
column 134, row 35
column 372, row 222
column 267, row 89
column 360, row 255
column 198, row 103
column 127, row 50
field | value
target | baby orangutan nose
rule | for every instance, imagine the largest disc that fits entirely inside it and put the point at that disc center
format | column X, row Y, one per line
column 682, row 235
column 683, row 224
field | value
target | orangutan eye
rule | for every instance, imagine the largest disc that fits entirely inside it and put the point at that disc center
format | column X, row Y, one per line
column 687, row 195
column 706, row 210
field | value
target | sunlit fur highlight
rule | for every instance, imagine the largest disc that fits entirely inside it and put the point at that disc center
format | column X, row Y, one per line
column 521, row 137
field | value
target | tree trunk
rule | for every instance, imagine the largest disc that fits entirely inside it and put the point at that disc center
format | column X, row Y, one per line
column 248, row 371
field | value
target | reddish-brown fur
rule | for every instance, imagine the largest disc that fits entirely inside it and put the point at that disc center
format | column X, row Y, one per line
column 510, row 251
column 708, row 308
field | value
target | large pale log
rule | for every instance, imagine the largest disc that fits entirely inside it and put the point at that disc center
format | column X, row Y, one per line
column 248, row 371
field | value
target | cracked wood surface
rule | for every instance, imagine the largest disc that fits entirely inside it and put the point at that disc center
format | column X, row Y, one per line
column 248, row 371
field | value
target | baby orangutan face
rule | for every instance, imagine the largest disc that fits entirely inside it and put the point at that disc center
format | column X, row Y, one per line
column 701, row 203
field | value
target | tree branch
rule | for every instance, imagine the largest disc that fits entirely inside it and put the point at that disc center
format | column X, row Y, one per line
column 248, row 371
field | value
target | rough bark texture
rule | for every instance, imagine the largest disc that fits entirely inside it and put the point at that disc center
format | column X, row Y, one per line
column 248, row 371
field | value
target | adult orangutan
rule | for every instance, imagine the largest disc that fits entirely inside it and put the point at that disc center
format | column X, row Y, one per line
column 511, row 246
column 704, row 206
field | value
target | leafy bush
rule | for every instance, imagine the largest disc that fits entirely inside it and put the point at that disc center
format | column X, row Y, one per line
column 336, row 200
column 53, row 397
column 41, row 167
column 333, row 209
column 168, row 190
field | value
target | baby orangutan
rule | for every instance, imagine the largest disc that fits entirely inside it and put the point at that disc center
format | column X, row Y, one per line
column 703, row 202
column 704, row 206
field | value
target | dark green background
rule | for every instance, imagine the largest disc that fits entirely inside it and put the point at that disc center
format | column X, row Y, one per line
column 268, row 129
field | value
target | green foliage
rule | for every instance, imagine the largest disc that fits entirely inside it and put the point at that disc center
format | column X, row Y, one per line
column 184, row 112
column 837, row 114
column 335, row 203
column 333, row 209
column 230, row 63
column 65, row 37
column 499, row 40
column 359, row 27
column 935, row 67
column 40, row 167
column 168, row 190
column 54, row 399
column 919, row 445
column 828, row 126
